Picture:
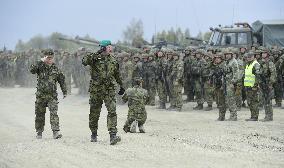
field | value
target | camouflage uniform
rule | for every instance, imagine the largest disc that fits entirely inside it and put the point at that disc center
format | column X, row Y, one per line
column 268, row 78
column 136, row 98
column 176, row 77
column 104, row 71
column 149, row 77
column 208, row 88
column 196, row 69
column 252, row 91
column 46, row 94
column 67, row 70
column 160, row 79
column 232, row 77
column 188, row 81
column 278, row 86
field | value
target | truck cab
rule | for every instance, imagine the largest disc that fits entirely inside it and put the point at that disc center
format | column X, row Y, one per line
column 239, row 36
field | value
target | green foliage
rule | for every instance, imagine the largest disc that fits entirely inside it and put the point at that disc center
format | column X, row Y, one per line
column 177, row 36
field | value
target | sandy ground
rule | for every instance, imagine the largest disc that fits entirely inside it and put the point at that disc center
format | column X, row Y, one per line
column 173, row 139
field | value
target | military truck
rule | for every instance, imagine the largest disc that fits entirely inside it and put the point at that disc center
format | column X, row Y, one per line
column 264, row 33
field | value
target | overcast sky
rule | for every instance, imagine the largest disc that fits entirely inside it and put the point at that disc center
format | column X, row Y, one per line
column 22, row 19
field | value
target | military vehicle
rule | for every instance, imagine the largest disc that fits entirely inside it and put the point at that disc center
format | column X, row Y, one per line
column 264, row 33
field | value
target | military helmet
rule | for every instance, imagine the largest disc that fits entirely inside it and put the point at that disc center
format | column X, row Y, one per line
column 48, row 52
column 263, row 49
column 257, row 52
column 249, row 54
column 136, row 56
column 228, row 51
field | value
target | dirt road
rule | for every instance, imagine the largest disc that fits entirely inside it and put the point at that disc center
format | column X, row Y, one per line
column 173, row 139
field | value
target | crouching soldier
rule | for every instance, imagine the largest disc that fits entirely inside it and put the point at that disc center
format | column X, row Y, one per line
column 48, row 75
column 136, row 98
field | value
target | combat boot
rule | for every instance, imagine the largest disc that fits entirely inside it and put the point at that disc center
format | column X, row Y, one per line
column 209, row 108
column 198, row 107
column 266, row 119
column 232, row 119
column 39, row 135
column 126, row 129
column 133, row 126
column 114, row 139
column 56, row 135
column 141, row 129
column 251, row 119
column 94, row 137
column 220, row 118
column 162, row 106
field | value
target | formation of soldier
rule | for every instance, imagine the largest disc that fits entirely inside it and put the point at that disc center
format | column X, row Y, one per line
column 166, row 73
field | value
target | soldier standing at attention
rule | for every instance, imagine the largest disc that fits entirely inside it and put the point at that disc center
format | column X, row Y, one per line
column 104, row 76
column 251, row 80
column 137, row 98
column 48, row 75
column 268, row 78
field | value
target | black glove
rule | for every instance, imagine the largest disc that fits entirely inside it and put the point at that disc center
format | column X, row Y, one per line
column 121, row 91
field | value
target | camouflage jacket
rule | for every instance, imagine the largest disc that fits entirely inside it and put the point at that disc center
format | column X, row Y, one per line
column 137, row 98
column 268, row 73
column 177, row 71
column 47, row 77
column 104, row 70
column 197, row 67
column 232, row 71
column 160, row 69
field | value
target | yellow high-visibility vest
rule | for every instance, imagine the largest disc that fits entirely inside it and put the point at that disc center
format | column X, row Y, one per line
column 249, row 76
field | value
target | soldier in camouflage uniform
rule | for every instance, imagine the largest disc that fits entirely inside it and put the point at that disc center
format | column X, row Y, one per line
column 188, row 81
column 137, row 98
column 176, row 77
column 67, row 69
column 149, row 76
column 251, row 84
column 278, row 86
column 46, row 96
column 160, row 79
column 168, row 71
column 268, row 78
column 196, row 70
column 104, row 76
column 137, row 69
column 206, row 74
column 232, row 77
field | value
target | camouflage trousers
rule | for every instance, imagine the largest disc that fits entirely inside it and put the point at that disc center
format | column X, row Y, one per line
column 278, row 92
column 138, row 114
column 97, row 98
column 208, row 92
column 199, row 91
column 176, row 100
column 189, row 87
column 226, row 101
column 253, row 101
column 40, row 110
column 161, row 88
column 267, row 100
column 68, row 82
column 150, row 87
column 238, row 94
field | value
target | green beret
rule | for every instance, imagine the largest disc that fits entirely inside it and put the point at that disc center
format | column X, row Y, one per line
column 105, row 43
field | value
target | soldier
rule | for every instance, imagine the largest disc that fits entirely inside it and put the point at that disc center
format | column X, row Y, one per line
column 232, row 77
column 160, row 79
column 218, row 68
column 137, row 98
column 196, row 69
column 268, row 78
column 206, row 74
column 137, row 68
column 67, row 69
column 168, row 71
column 176, row 77
column 104, row 76
column 251, row 80
column 278, row 86
column 188, row 81
column 149, row 76
column 48, row 75
column 239, row 84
